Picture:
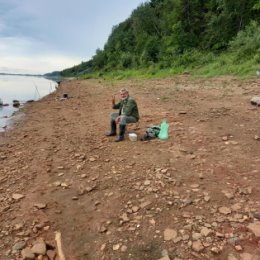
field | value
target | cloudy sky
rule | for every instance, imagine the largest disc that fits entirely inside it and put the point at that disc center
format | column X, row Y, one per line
column 40, row 36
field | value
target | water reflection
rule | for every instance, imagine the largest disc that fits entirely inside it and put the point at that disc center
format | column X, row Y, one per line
column 22, row 89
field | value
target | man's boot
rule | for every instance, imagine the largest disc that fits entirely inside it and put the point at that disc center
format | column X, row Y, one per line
column 121, row 133
column 113, row 129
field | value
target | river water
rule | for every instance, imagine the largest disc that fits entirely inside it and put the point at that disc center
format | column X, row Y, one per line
column 23, row 89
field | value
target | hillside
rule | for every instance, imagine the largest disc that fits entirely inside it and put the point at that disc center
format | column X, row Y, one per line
column 167, row 37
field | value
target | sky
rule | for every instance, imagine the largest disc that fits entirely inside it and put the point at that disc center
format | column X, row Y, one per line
column 41, row 36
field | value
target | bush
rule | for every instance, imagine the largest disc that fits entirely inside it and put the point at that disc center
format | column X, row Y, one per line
column 247, row 42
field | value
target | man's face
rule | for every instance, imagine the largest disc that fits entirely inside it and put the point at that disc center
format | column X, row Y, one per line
column 123, row 94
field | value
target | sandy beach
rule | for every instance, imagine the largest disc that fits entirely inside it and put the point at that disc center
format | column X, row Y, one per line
column 194, row 196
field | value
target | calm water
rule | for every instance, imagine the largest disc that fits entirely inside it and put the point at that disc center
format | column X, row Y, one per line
column 21, row 88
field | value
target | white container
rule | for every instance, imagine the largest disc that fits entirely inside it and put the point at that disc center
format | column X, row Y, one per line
column 132, row 137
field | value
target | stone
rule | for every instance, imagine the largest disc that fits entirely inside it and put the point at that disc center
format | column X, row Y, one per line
column 103, row 247
column 124, row 217
column 39, row 248
column 232, row 257
column 116, row 247
column 123, row 248
column 165, row 258
column 147, row 183
column 205, row 231
column 18, row 226
column 164, row 170
column 19, row 246
column 194, row 185
column 27, row 254
column 255, row 101
column 224, row 210
column 233, row 240
column 228, row 194
column 236, row 207
column 247, row 256
column 17, row 196
column 102, row 229
column 169, row 234
column 185, row 237
column 40, row 205
column 57, row 183
column 239, row 248
column 51, row 254
column 145, row 204
column 197, row 246
column 207, row 198
column 218, row 234
column 215, row 250
column 165, row 252
column 177, row 240
column 135, row 209
column 255, row 228
column 196, row 236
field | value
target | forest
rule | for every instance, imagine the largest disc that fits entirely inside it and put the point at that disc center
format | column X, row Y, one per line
column 166, row 37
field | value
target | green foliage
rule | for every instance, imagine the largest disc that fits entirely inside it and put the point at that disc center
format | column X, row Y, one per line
column 247, row 42
column 167, row 37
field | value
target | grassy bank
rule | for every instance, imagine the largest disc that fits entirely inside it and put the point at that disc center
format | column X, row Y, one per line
column 194, row 64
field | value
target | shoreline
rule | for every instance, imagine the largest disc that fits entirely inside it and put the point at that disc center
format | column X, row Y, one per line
column 19, row 90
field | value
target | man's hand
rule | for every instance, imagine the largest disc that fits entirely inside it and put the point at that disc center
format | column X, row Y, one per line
column 113, row 100
column 118, row 120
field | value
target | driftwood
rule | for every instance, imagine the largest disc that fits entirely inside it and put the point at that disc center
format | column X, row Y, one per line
column 59, row 246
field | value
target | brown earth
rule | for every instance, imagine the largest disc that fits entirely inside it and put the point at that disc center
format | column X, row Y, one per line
column 115, row 201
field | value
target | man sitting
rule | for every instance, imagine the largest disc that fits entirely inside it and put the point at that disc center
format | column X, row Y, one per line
column 128, row 113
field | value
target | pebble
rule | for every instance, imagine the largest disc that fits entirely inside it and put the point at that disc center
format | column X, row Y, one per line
column 123, row 248
column 165, row 252
column 27, row 254
column 40, row 205
column 124, row 217
column 224, row 210
column 247, row 256
column 147, row 183
column 197, row 246
column 239, row 248
column 231, row 257
column 17, row 196
column 39, row 248
column 103, row 247
column 19, row 245
column 215, row 250
column 145, row 204
column 169, row 234
column 165, row 258
column 116, row 247
column 207, row 198
column 255, row 228
column 236, row 207
column 196, row 236
column 229, row 195
column 135, row 209
column 205, row 231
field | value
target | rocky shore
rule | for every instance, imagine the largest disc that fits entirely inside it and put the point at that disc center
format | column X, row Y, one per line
column 195, row 196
